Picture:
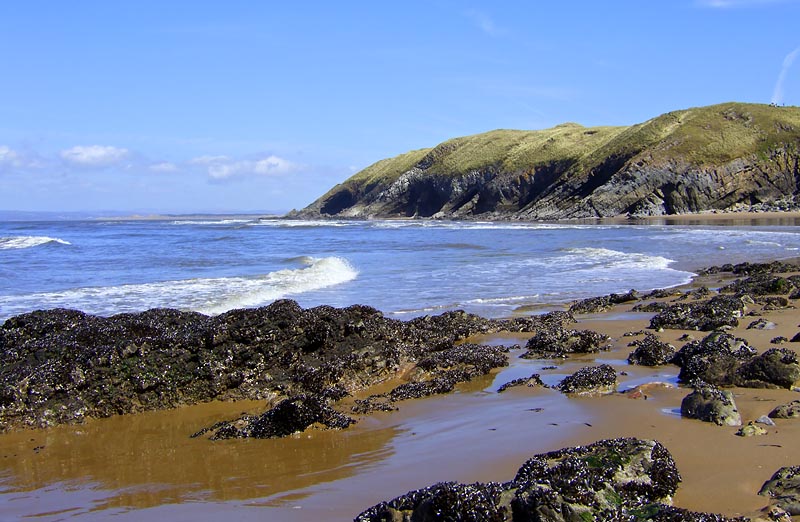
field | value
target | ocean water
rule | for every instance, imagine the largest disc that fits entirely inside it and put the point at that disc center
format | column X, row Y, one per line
column 404, row 268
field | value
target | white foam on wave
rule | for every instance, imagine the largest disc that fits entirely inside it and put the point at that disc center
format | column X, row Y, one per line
column 206, row 295
column 20, row 242
column 302, row 223
column 615, row 259
column 485, row 225
column 212, row 222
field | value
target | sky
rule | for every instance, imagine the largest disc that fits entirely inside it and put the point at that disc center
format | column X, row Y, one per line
column 253, row 106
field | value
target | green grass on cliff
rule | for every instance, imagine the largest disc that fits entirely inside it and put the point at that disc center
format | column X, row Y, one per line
column 699, row 136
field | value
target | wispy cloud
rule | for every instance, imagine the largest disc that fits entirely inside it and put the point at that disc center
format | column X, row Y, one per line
column 222, row 168
column 729, row 4
column 8, row 156
column 94, row 155
column 484, row 22
column 788, row 60
column 164, row 166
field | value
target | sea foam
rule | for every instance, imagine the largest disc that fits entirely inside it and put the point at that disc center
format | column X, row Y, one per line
column 20, row 242
column 206, row 295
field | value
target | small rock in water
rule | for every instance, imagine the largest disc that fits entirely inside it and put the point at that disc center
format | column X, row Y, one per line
column 750, row 430
column 766, row 421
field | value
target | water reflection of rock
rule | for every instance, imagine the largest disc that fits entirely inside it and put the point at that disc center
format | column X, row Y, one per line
column 148, row 460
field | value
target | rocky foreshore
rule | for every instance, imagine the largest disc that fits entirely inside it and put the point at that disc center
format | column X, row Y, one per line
column 64, row 366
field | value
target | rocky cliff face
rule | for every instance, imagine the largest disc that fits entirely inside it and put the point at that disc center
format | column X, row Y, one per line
column 721, row 157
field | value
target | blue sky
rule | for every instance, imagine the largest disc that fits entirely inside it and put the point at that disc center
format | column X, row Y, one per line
column 248, row 106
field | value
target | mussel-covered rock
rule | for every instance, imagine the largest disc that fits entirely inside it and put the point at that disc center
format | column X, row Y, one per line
column 60, row 366
column 711, row 404
column 719, row 311
column 714, row 359
column 651, row 351
column 784, row 488
column 533, row 380
column 289, row 416
column 594, row 305
column 775, row 368
column 786, row 411
column 590, row 380
column 607, row 480
column 560, row 342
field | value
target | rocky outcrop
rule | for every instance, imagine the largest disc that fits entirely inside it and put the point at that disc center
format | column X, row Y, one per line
column 710, row 404
column 730, row 156
column 784, row 488
column 786, row 411
column 590, row 380
column 61, row 366
column 717, row 312
column 651, row 351
column 551, row 343
column 724, row 360
column 620, row 479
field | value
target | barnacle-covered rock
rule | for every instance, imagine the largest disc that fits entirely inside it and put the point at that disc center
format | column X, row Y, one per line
column 719, row 311
column 560, row 342
column 651, row 351
column 711, row 404
column 616, row 480
column 784, row 488
column 590, row 380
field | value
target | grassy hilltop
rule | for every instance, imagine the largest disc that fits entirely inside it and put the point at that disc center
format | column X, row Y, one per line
column 715, row 157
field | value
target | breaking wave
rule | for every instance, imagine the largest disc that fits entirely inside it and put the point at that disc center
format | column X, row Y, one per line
column 206, row 295
column 20, row 242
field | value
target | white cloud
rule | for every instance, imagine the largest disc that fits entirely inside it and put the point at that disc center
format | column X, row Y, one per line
column 94, row 155
column 208, row 160
column 484, row 22
column 788, row 60
column 221, row 168
column 8, row 156
column 164, row 166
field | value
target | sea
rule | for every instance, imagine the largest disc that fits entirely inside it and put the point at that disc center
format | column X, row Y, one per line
column 405, row 268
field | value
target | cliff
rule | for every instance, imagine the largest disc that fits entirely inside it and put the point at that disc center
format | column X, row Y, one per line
column 721, row 157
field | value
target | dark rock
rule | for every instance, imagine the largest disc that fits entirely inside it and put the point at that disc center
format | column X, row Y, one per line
column 773, row 302
column 775, row 368
column 533, row 380
column 714, row 359
column 786, row 411
column 761, row 324
column 749, row 269
column 591, row 379
column 61, row 366
column 654, row 307
column 719, row 311
column 784, row 488
column 445, row 501
column 796, row 338
column 560, row 342
column 595, row 305
column 288, row 416
column 609, row 480
column 438, row 373
column 651, row 351
column 779, row 340
column 759, row 285
column 710, row 404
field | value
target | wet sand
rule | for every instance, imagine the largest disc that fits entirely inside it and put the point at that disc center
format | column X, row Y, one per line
column 147, row 467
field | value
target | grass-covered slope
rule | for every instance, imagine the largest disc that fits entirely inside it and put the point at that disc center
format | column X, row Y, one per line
column 704, row 158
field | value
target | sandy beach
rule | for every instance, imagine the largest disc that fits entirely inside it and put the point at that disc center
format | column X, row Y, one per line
column 146, row 465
